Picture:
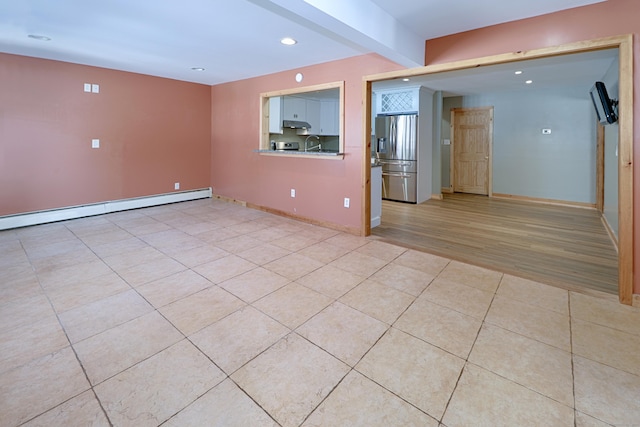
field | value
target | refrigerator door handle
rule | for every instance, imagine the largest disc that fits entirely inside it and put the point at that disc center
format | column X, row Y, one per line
column 383, row 162
column 392, row 135
column 396, row 175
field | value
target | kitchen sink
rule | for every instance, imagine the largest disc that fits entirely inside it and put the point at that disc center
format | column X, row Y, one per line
column 322, row 151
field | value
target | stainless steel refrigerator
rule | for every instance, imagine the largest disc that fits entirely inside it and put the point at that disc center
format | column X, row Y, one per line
column 396, row 149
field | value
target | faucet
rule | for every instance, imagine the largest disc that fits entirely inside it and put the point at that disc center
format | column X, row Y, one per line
column 319, row 146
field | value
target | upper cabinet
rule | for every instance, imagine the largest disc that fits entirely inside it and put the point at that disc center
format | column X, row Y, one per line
column 295, row 108
column 397, row 101
column 322, row 113
column 313, row 115
column 275, row 114
column 329, row 117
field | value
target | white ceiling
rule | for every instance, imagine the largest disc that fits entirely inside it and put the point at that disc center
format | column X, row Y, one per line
column 238, row 39
column 581, row 69
column 435, row 18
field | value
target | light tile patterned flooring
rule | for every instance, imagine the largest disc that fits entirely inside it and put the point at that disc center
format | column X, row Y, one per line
column 208, row 313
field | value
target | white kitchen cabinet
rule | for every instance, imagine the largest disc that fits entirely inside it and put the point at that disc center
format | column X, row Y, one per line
column 398, row 101
column 329, row 117
column 321, row 114
column 294, row 108
column 275, row 114
column 313, row 115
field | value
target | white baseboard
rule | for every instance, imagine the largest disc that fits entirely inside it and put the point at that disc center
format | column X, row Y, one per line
column 375, row 221
column 43, row 217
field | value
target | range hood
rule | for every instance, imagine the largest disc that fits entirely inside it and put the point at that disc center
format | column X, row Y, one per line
column 295, row 124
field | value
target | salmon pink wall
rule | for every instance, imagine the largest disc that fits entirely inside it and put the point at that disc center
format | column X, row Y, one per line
column 609, row 18
column 321, row 185
column 153, row 132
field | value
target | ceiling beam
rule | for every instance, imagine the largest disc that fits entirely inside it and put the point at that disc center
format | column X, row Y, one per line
column 360, row 24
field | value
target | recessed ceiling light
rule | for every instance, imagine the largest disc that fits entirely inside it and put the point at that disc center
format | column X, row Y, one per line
column 197, row 68
column 518, row 72
column 405, row 79
column 529, row 82
column 288, row 41
column 39, row 37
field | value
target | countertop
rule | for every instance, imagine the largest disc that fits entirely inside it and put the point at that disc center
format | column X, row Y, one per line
column 299, row 153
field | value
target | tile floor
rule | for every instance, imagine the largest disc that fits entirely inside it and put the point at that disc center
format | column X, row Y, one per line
column 208, row 313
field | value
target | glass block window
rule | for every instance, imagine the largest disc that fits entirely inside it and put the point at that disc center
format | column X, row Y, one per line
column 396, row 101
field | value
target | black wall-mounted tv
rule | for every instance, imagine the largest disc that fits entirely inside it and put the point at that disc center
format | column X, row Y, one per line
column 605, row 106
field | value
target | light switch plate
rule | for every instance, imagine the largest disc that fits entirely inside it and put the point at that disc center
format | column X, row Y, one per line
column 95, row 143
column 546, row 131
column 95, row 88
column 293, row 192
column 176, row 186
column 87, row 87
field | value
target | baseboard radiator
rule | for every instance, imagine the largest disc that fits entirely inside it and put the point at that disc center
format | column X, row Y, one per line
column 73, row 212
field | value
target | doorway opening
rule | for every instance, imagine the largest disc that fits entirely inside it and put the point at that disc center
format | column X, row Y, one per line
column 625, row 140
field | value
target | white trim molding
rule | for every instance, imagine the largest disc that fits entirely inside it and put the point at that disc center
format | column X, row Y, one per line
column 73, row 212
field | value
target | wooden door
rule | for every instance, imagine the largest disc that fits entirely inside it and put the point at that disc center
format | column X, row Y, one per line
column 472, row 130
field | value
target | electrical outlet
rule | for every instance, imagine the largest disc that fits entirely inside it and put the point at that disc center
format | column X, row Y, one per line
column 95, row 143
column 95, row 88
column 176, row 186
column 346, row 202
column 87, row 87
column 293, row 192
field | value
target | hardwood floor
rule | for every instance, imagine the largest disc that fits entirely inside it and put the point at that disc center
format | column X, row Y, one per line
column 562, row 246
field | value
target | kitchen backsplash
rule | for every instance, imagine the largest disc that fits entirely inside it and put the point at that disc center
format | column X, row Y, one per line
column 289, row 135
